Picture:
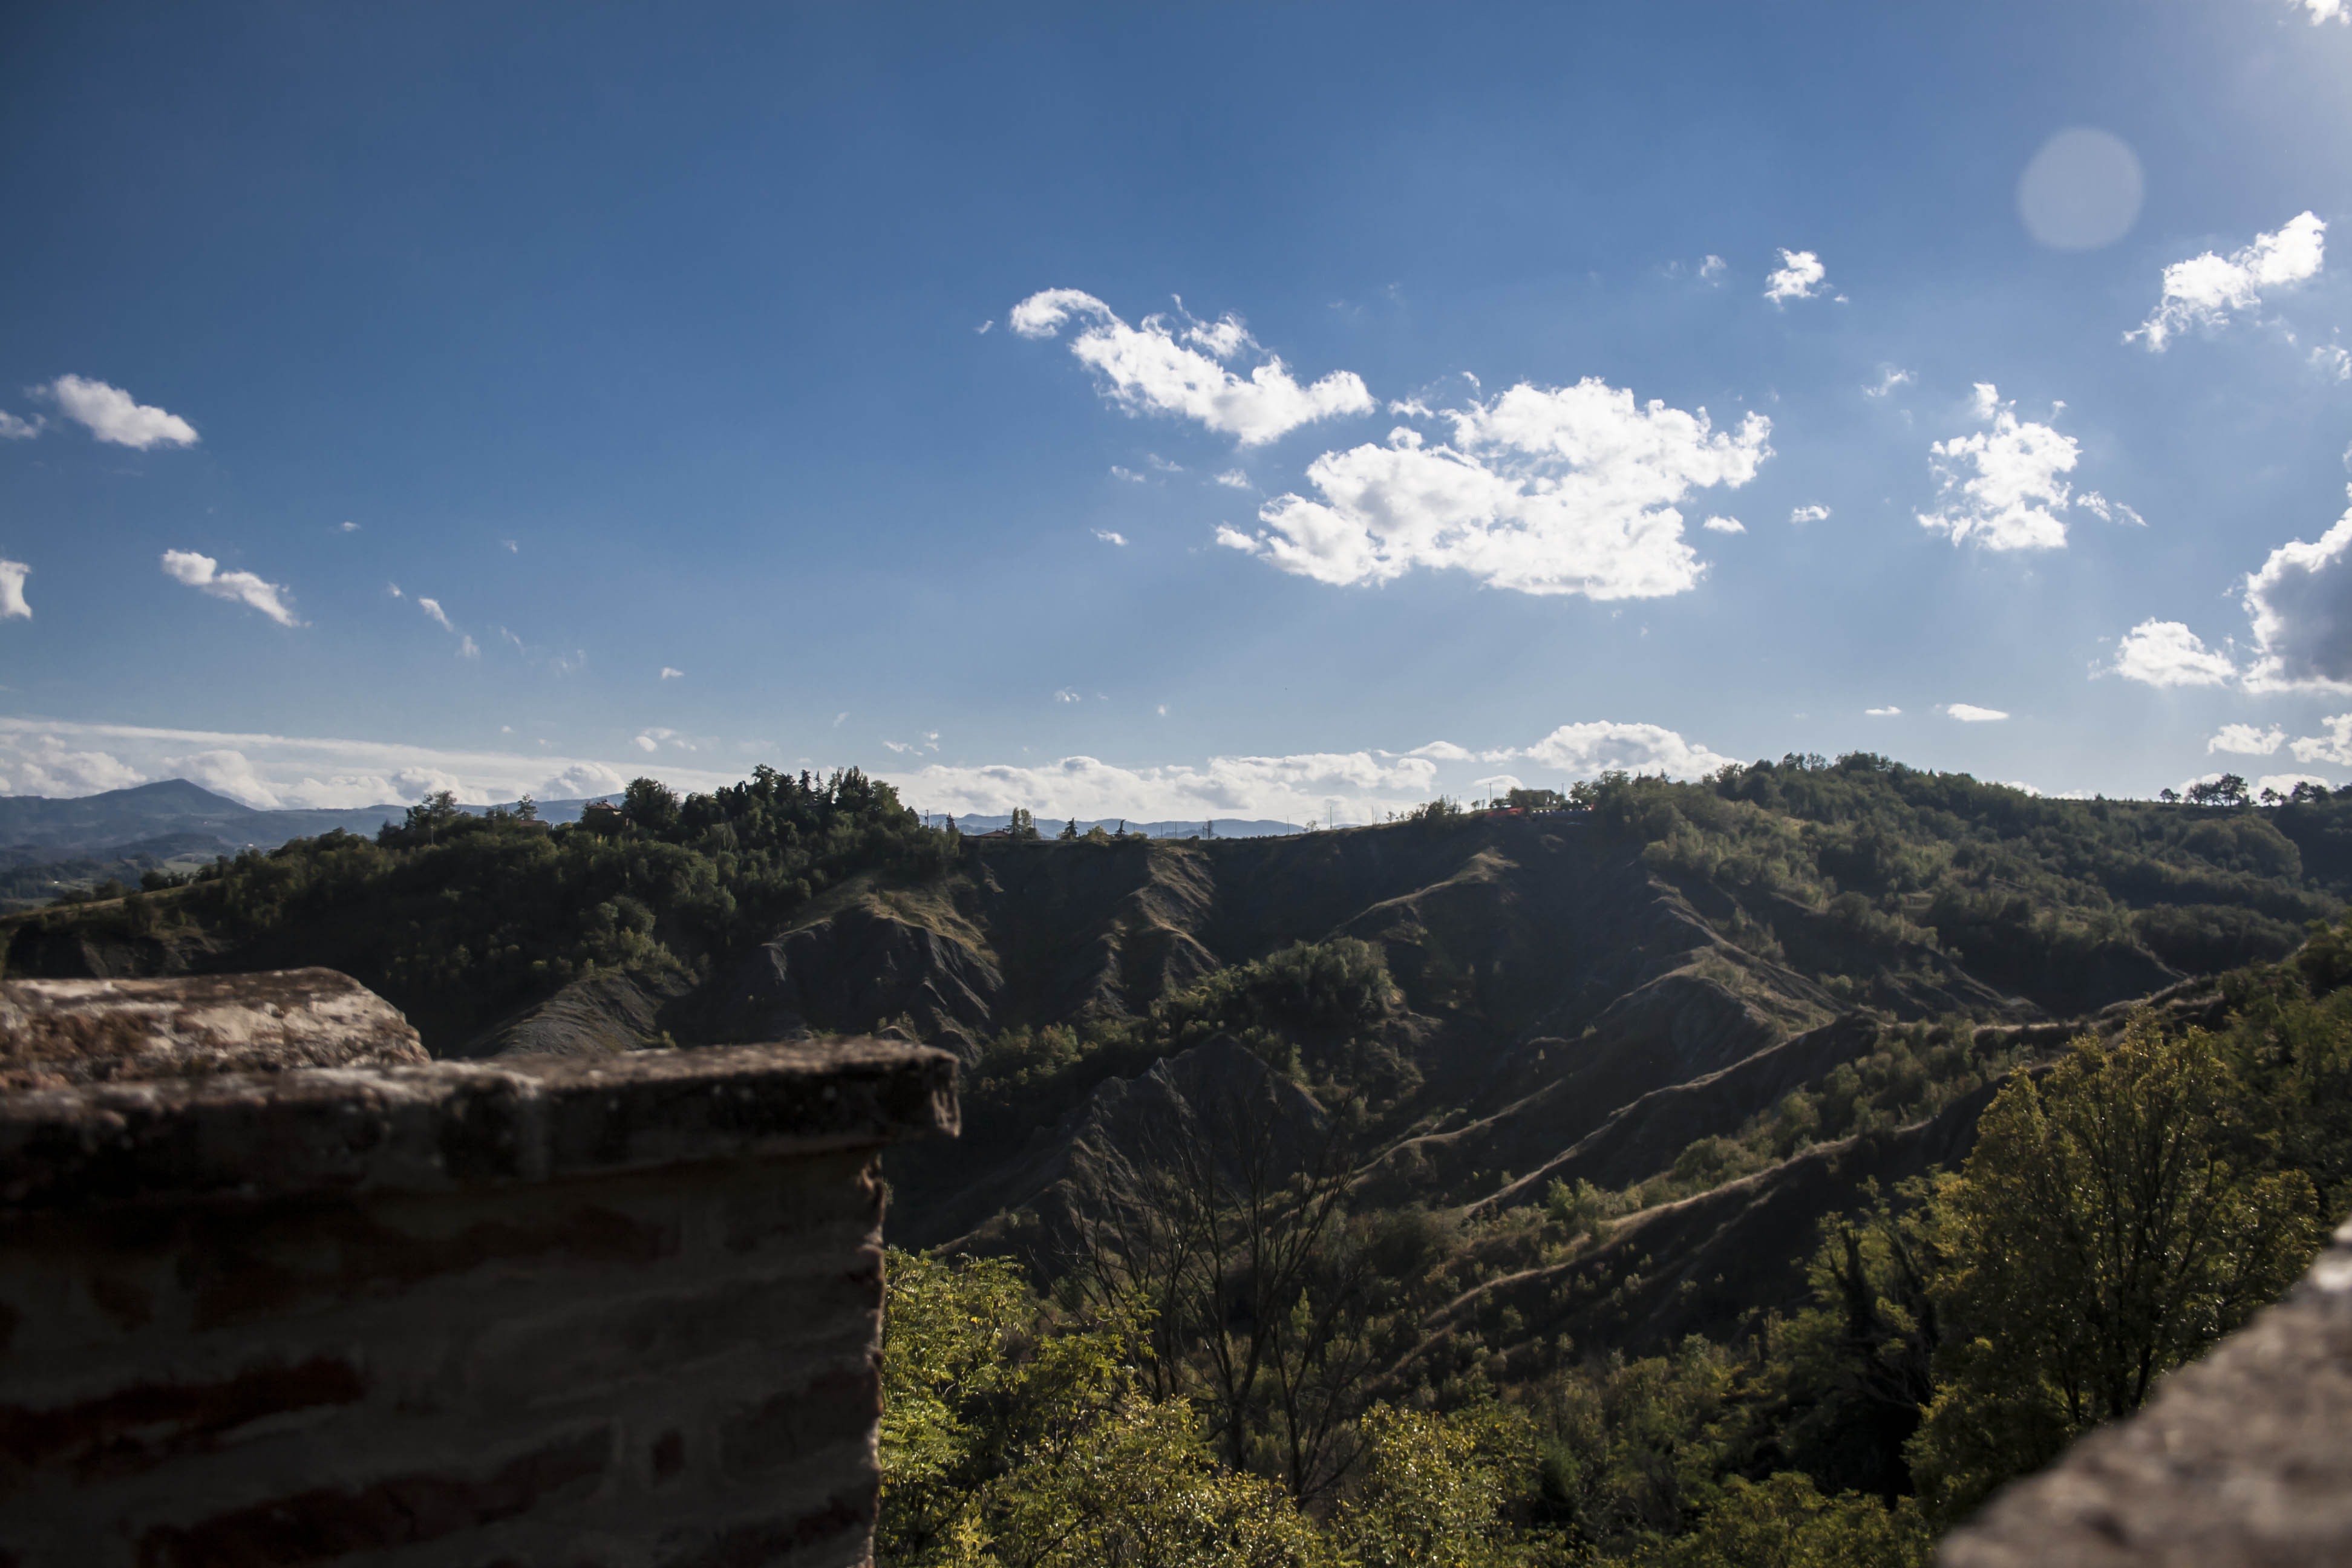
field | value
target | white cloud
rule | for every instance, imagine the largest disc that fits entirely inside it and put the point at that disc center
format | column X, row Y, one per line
column 670, row 673
column 1067, row 695
column 2007, row 478
column 646, row 743
column 1147, row 369
column 2330, row 360
column 2246, row 740
column 1233, row 479
column 1352, row 785
column 15, row 429
column 1443, row 752
column 1889, row 379
column 2300, row 605
column 228, row 772
column 2335, row 746
column 53, row 758
column 1583, row 750
column 511, row 547
column 1130, row 475
column 2166, row 653
column 468, row 648
column 431, row 607
column 45, row 764
column 1724, row 525
column 2284, row 783
column 1970, row 713
column 203, row 573
column 2324, row 10
column 2205, row 289
column 1544, row 490
column 1110, row 536
column 1799, row 277
column 1889, row 712
column 109, row 414
column 1711, row 269
column 1805, row 514
column 2107, row 510
column 348, row 528
column 11, row 591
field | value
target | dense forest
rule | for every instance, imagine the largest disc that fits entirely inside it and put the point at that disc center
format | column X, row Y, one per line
column 1751, row 1169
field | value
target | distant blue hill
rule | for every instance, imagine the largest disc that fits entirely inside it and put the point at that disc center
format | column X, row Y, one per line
column 1220, row 827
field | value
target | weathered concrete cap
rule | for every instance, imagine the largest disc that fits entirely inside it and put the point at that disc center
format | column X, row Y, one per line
column 449, row 1124
column 55, row 1034
column 2244, row 1459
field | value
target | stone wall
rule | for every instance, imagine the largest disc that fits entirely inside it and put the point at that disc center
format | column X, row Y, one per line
column 2243, row 1460
column 612, row 1312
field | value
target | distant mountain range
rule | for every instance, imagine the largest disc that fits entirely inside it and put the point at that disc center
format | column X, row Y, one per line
column 47, row 846
column 1218, row 827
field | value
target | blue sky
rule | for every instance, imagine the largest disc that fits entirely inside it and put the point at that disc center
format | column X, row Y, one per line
column 812, row 387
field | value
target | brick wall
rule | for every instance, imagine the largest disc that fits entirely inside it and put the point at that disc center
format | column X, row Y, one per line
column 615, row 1313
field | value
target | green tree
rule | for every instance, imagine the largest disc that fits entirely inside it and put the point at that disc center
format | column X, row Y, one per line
column 1787, row 1522
column 2098, row 1236
column 1434, row 1490
column 650, row 805
column 1069, row 830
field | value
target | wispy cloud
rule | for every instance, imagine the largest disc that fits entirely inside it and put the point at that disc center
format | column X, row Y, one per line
column 12, row 428
column 1155, row 369
column 1234, row 479
column 2206, row 291
column 1889, row 380
column 1805, row 514
column 1886, row 712
column 110, row 414
column 203, row 573
column 1970, row 713
column 1110, row 536
column 671, row 673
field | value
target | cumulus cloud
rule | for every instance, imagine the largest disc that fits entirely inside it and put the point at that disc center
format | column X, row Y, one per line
column 203, row 573
column 1233, row 479
column 2332, row 361
column 1583, row 750
column 2284, row 783
column 15, row 429
column 1711, row 269
column 1800, row 276
column 1724, row 525
column 2301, row 605
column 1970, row 713
column 110, row 414
column 2335, row 746
column 2003, row 487
column 347, row 528
column 1542, row 490
column 670, row 673
column 2324, row 10
column 229, row 772
column 45, row 763
column 1888, row 713
column 55, row 758
column 1443, row 752
column 1110, row 536
column 1805, row 514
column 1154, row 369
column 2246, row 740
column 2166, row 653
column 11, row 591
column 2205, row 290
